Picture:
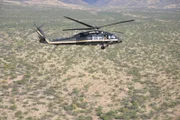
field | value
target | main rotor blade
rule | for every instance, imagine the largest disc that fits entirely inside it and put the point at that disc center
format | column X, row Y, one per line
column 37, row 26
column 115, row 23
column 118, row 32
column 91, row 28
column 79, row 21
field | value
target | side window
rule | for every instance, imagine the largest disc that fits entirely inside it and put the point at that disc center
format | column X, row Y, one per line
column 113, row 37
column 94, row 37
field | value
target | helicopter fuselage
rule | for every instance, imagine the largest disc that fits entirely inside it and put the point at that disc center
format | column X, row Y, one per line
column 87, row 38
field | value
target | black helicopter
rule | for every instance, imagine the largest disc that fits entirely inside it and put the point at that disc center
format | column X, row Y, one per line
column 91, row 36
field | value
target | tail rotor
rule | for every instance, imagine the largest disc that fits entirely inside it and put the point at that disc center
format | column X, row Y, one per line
column 38, row 29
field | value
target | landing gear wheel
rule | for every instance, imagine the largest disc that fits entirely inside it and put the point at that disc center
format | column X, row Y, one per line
column 103, row 47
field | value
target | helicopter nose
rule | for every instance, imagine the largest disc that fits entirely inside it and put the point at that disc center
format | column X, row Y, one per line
column 119, row 40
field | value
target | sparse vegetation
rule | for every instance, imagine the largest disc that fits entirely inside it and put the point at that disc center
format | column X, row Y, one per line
column 137, row 79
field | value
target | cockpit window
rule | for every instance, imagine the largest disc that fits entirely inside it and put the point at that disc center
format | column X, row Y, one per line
column 112, row 37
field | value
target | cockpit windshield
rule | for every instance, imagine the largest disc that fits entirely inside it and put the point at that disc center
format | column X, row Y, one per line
column 112, row 37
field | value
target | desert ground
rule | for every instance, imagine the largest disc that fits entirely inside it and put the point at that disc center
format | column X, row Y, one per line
column 138, row 79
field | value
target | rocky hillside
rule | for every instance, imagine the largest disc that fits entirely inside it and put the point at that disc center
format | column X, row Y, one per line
column 144, row 3
column 127, row 3
column 68, row 4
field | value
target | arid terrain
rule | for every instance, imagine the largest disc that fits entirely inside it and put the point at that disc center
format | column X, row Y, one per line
column 138, row 79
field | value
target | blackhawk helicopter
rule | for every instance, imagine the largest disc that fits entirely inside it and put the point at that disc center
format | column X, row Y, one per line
column 91, row 36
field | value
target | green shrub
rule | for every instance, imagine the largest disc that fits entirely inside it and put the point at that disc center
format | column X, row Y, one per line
column 13, row 107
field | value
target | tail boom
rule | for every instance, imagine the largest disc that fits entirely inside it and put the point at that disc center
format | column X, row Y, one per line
column 42, row 38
